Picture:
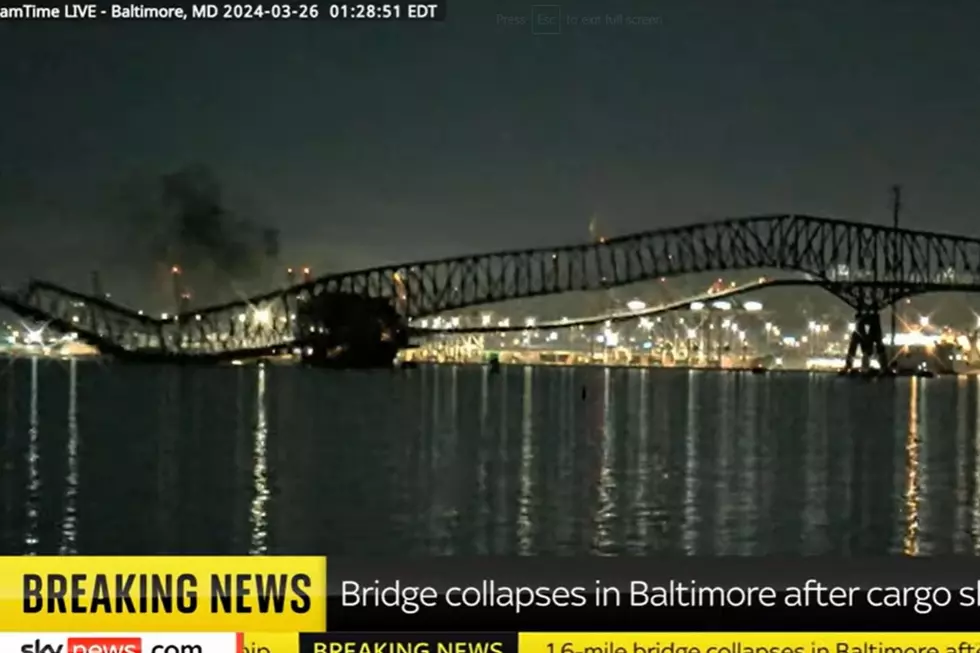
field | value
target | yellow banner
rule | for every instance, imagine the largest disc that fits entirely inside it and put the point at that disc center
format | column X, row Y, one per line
column 270, row 643
column 749, row 642
column 163, row 594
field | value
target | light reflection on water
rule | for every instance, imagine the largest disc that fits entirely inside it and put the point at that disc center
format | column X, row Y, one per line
column 69, row 521
column 260, row 499
column 103, row 460
column 33, row 471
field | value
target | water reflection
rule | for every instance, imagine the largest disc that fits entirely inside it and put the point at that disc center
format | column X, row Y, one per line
column 33, row 471
column 458, row 460
column 606, row 510
column 69, row 528
column 258, row 512
column 912, row 479
column 692, row 483
column 525, row 536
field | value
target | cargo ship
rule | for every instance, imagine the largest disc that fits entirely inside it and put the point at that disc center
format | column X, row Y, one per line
column 345, row 330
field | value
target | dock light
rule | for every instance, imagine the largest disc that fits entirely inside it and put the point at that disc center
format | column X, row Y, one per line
column 262, row 316
column 636, row 305
column 752, row 306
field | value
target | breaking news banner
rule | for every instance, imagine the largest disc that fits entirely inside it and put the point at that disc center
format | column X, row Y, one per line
column 163, row 594
column 644, row 594
column 275, row 12
column 639, row 643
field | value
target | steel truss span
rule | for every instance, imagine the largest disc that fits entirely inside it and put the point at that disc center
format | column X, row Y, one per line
column 867, row 266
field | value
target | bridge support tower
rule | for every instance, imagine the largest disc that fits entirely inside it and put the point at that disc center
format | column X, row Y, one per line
column 867, row 338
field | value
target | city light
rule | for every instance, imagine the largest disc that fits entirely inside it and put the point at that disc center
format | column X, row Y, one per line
column 723, row 305
column 485, row 319
column 752, row 306
column 262, row 316
column 34, row 336
column 636, row 305
column 924, row 321
column 697, row 306
column 529, row 322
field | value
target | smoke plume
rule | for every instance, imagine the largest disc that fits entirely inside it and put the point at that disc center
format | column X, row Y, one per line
column 184, row 220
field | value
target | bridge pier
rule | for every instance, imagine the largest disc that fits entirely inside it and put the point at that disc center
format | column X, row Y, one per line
column 867, row 338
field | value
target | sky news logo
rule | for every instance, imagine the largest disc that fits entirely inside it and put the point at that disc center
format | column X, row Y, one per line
column 122, row 642
column 107, row 645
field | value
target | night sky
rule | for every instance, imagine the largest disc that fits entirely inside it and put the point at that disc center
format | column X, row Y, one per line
column 367, row 144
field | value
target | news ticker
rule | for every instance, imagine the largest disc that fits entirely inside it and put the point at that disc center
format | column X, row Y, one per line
column 448, row 642
column 282, row 594
column 281, row 12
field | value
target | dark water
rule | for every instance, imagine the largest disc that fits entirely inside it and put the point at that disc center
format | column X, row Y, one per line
column 114, row 459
